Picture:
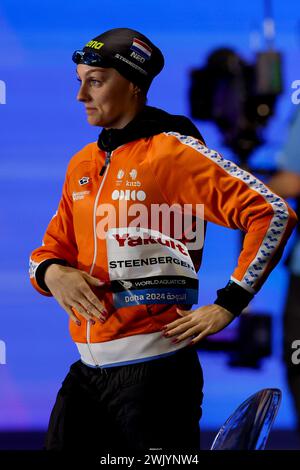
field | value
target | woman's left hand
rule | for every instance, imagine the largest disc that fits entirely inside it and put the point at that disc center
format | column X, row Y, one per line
column 199, row 323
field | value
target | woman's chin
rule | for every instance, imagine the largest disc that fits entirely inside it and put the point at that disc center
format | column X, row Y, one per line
column 95, row 120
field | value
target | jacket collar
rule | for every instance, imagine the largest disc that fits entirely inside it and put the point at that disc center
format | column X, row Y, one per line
column 148, row 122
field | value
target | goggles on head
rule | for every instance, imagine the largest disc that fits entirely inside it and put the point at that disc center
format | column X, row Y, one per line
column 90, row 58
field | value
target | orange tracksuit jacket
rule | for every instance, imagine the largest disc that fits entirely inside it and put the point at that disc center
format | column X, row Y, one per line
column 170, row 168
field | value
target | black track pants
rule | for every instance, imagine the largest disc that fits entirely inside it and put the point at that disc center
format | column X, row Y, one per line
column 153, row 404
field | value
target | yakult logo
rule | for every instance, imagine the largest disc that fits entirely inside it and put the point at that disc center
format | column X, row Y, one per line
column 133, row 241
column 128, row 195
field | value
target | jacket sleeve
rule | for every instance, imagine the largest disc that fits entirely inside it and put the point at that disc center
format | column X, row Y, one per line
column 187, row 172
column 59, row 244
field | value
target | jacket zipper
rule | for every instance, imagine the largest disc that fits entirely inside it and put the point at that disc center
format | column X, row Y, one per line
column 102, row 172
column 106, row 164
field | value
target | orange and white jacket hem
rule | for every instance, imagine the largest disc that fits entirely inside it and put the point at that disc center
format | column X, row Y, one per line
column 128, row 350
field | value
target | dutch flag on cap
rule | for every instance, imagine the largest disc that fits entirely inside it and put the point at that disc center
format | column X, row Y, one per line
column 141, row 48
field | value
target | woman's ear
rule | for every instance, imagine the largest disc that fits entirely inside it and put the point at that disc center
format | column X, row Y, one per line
column 135, row 89
column 137, row 93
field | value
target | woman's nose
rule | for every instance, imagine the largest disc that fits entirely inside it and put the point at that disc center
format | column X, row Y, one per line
column 82, row 94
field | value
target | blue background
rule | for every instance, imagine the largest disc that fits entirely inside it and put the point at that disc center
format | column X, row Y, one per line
column 42, row 126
